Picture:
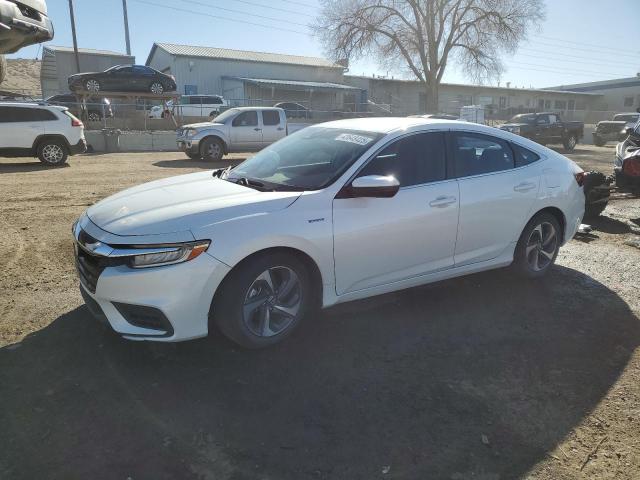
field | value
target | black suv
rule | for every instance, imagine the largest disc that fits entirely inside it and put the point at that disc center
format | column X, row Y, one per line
column 96, row 108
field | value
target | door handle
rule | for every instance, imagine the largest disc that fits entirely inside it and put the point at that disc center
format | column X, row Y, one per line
column 442, row 202
column 524, row 187
column 280, row 128
column 258, row 129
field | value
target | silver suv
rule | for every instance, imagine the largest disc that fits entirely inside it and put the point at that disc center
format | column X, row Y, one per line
column 22, row 23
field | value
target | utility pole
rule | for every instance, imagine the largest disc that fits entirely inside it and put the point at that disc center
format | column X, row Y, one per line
column 73, row 32
column 126, row 26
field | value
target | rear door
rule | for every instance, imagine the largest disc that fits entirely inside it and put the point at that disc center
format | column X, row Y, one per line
column 497, row 195
column 245, row 131
column 20, row 126
column 272, row 127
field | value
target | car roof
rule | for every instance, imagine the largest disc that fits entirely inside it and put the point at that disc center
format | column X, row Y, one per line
column 31, row 105
column 390, row 124
column 254, row 108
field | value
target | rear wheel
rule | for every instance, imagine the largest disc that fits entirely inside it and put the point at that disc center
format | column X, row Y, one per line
column 262, row 301
column 570, row 142
column 94, row 117
column 598, row 142
column 52, row 152
column 538, row 246
column 212, row 149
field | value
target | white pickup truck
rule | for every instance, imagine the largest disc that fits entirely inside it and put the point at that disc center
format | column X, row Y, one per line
column 243, row 129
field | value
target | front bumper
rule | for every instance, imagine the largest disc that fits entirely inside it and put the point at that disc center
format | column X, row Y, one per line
column 166, row 303
column 20, row 27
column 188, row 144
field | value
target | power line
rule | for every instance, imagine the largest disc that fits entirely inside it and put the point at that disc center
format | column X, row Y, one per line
column 560, row 70
column 246, row 13
column 254, row 4
column 606, row 51
column 577, row 43
column 303, row 4
column 218, row 17
column 582, row 58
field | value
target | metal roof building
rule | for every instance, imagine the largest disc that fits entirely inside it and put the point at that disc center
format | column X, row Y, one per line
column 59, row 62
column 617, row 95
column 246, row 77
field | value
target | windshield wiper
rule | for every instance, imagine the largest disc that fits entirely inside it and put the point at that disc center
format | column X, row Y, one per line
column 222, row 172
column 249, row 182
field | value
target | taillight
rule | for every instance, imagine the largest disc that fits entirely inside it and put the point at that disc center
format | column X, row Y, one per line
column 631, row 167
column 579, row 178
column 76, row 123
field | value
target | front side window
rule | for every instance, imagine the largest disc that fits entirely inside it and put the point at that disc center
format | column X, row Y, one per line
column 413, row 160
column 310, row 159
column 246, row 119
column 543, row 120
column 476, row 154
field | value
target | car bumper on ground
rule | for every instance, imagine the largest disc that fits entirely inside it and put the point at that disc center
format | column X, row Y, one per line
column 22, row 27
column 164, row 303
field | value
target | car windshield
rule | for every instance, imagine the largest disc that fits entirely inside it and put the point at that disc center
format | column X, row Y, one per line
column 309, row 159
column 626, row 118
column 226, row 115
column 523, row 118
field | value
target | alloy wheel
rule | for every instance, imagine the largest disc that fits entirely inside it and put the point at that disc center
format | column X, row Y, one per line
column 93, row 85
column 571, row 142
column 541, row 246
column 156, row 88
column 214, row 150
column 52, row 153
column 94, row 117
column 272, row 302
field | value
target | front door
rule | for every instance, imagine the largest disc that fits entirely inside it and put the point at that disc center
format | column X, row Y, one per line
column 246, row 133
column 379, row 241
column 497, row 195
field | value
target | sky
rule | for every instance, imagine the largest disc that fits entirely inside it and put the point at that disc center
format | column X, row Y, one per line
column 580, row 40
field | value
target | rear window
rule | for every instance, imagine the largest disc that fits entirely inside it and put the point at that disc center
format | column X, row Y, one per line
column 270, row 117
column 626, row 118
column 20, row 114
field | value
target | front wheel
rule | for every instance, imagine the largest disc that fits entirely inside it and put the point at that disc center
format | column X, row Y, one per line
column 92, row 85
column 156, row 88
column 193, row 155
column 570, row 142
column 94, row 117
column 538, row 246
column 598, row 142
column 212, row 149
column 263, row 300
column 52, row 152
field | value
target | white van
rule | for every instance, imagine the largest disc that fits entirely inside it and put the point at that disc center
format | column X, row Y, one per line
column 192, row 106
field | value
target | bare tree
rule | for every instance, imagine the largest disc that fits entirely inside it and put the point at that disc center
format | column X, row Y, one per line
column 425, row 35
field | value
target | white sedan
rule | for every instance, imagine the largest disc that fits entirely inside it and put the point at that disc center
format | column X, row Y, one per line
column 335, row 212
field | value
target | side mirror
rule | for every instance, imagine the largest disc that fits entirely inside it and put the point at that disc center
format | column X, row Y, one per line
column 372, row 186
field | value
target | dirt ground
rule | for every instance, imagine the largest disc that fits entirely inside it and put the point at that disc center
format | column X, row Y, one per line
column 480, row 378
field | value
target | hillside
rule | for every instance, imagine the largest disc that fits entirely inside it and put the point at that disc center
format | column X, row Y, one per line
column 23, row 76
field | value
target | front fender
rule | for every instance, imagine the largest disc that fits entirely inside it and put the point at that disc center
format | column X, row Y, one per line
column 211, row 132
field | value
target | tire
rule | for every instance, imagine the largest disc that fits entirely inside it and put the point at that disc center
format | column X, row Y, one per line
column 53, row 152
column 3, row 68
column 569, row 143
column 592, row 180
column 94, row 117
column 92, row 85
column 272, row 316
column 156, row 88
column 598, row 142
column 538, row 246
column 193, row 155
column 212, row 149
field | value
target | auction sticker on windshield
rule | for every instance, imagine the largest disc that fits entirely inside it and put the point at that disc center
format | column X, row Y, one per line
column 353, row 138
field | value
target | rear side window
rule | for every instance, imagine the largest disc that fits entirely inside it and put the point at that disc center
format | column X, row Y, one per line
column 246, row 119
column 524, row 156
column 476, row 154
column 270, row 117
column 412, row 160
column 18, row 114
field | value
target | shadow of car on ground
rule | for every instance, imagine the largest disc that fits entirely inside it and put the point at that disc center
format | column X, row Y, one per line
column 412, row 380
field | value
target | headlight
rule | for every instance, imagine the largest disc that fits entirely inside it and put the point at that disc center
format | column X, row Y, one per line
column 516, row 130
column 152, row 256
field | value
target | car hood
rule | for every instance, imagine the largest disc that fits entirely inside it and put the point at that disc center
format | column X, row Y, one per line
column 182, row 203
column 203, row 125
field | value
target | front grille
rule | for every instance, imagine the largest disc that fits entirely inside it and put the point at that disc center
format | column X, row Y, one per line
column 89, row 266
